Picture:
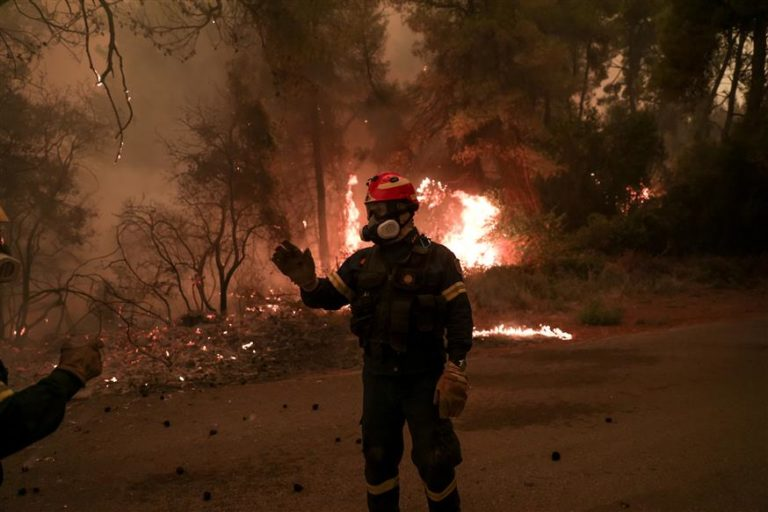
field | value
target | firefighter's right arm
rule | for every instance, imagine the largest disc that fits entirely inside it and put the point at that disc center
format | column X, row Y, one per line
column 34, row 412
column 336, row 290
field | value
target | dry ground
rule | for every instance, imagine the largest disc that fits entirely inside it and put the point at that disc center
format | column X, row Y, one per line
column 687, row 430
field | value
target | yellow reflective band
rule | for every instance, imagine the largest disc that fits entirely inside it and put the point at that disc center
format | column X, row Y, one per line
column 440, row 496
column 399, row 183
column 385, row 486
column 4, row 392
column 340, row 285
column 454, row 291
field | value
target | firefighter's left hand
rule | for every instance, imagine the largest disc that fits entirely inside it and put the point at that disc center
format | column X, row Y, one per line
column 451, row 391
column 83, row 360
column 298, row 265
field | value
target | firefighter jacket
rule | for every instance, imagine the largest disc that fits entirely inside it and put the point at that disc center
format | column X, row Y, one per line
column 31, row 414
column 409, row 305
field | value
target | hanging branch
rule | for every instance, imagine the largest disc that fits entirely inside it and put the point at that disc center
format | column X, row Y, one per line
column 112, row 52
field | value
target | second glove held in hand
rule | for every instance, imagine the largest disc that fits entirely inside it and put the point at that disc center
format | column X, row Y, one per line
column 451, row 391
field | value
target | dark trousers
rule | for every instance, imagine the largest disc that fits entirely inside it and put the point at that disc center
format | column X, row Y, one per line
column 388, row 402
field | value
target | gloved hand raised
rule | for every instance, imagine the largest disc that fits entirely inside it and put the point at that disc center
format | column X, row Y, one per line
column 297, row 265
column 81, row 360
column 451, row 391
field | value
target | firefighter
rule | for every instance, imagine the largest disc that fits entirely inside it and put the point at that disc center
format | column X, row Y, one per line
column 412, row 316
column 31, row 414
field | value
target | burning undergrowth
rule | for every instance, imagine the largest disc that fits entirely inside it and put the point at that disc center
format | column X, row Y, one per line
column 271, row 340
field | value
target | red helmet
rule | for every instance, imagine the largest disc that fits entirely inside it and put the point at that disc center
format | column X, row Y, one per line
column 390, row 186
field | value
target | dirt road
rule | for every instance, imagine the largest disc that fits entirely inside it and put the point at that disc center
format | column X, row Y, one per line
column 672, row 420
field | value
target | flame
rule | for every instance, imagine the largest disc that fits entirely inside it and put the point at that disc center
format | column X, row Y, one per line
column 469, row 240
column 463, row 222
column 352, row 240
column 522, row 332
column 431, row 193
column 637, row 196
column 474, row 217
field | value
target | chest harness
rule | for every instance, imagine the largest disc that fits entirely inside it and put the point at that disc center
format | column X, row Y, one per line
column 399, row 304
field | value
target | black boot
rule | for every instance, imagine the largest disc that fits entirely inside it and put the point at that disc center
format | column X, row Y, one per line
column 386, row 502
column 450, row 503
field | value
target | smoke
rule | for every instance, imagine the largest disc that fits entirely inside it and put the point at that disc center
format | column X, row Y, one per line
column 160, row 87
column 403, row 65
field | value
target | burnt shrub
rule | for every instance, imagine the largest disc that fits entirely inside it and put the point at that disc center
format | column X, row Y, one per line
column 597, row 313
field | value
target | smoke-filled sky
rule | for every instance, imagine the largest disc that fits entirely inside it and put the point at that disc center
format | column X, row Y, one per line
column 160, row 87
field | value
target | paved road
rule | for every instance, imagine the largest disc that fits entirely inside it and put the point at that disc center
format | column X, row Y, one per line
column 688, row 431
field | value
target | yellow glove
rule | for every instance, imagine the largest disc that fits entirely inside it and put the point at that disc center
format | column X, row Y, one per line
column 82, row 360
column 451, row 391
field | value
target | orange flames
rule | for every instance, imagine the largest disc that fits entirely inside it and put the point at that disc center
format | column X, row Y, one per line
column 463, row 222
column 522, row 332
column 352, row 213
column 470, row 239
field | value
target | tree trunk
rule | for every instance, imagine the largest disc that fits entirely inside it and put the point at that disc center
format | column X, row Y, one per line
column 585, row 80
column 757, row 84
column 547, row 110
column 633, row 66
column 223, row 304
column 2, row 312
column 702, row 127
column 735, row 78
column 317, row 157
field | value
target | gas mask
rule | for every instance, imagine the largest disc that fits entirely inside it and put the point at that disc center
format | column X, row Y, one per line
column 386, row 219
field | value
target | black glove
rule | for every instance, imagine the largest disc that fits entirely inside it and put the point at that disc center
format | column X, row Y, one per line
column 81, row 360
column 298, row 266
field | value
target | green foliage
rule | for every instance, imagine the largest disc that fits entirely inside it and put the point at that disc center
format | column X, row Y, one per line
column 597, row 313
column 643, row 229
column 601, row 161
column 718, row 199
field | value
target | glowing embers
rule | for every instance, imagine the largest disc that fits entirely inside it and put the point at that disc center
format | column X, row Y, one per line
column 544, row 331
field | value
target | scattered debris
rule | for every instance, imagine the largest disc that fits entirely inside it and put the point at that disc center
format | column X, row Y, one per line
column 207, row 496
column 166, row 423
column 267, row 339
column 179, row 470
column 623, row 504
column 555, row 456
column 609, row 420
column 297, row 487
column 108, row 409
column 22, row 491
column 315, row 407
column 213, row 432
column 358, row 441
column 338, row 439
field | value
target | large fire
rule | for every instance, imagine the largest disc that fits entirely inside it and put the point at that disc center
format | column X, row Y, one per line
column 465, row 223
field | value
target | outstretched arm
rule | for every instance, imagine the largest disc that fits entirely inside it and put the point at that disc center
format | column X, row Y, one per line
column 34, row 412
